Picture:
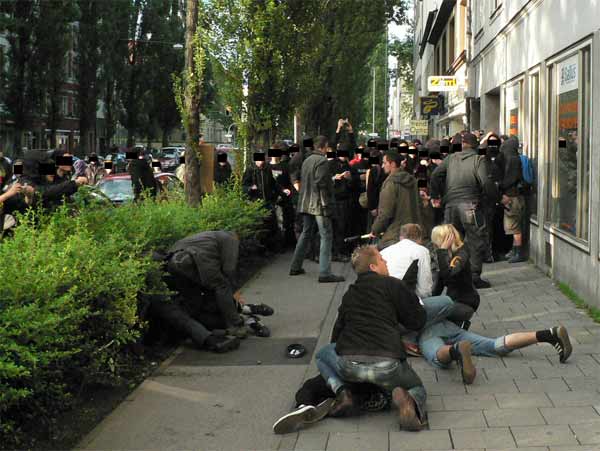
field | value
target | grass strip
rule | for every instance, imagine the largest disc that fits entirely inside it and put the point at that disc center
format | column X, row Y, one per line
column 579, row 302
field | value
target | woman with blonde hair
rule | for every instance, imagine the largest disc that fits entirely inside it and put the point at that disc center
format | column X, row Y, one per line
column 455, row 269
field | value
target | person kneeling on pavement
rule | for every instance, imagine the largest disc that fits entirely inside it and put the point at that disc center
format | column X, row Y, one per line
column 203, row 271
column 366, row 343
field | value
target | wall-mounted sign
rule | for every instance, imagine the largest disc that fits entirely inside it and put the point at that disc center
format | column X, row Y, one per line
column 431, row 105
column 419, row 127
column 438, row 83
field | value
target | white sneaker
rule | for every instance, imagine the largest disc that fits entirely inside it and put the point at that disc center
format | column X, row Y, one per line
column 293, row 420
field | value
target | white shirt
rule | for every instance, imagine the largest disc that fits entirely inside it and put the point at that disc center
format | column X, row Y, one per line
column 401, row 255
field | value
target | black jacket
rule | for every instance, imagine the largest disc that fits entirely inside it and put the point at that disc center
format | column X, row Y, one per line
column 316, row 188
column 342, row 188
column 267, row 188
column 369, row 317
column 281, row 174
column 376, row 178
column 142, row 178
column 510, row 162
column 455, row 274
column 53, row 193
column 466, row 179
column 222, row 173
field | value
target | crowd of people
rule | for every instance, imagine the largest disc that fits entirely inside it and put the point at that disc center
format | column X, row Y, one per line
column 434, row 213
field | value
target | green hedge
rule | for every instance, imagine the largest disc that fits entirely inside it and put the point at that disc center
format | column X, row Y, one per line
column 70, row 289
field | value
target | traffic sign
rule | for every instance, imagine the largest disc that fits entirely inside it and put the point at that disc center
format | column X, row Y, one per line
column 438, row 83
column 419, row 127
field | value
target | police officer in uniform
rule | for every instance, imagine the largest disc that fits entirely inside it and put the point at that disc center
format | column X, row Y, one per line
column 466, row 182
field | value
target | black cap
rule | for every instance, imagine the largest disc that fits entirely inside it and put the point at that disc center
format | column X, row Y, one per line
column 470, row 139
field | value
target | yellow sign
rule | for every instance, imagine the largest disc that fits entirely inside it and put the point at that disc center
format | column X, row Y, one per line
column 419, row 128
column 437, row 83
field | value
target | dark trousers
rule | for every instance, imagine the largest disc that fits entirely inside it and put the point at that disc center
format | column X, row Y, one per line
column 526, row 225
column 469, row 220
column 176, row 317
column 341, row 226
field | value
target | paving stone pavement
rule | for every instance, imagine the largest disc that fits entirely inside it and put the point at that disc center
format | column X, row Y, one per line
column 526, row 401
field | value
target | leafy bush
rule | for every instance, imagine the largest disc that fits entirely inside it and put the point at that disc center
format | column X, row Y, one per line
column 70, row 288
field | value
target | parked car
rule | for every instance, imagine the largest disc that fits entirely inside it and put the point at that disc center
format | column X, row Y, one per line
column 224, row 147
column 119, row 189
column 169, row 158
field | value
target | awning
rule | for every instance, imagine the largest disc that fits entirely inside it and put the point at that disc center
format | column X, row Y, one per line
column 428, row 25
column 441, row 19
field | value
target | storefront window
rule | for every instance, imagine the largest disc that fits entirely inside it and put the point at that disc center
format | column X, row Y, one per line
column 569, row 168
column 532, row 148
column 513, row 110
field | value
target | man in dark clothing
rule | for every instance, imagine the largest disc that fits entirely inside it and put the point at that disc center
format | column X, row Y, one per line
column 513, row 201
column 398, row 201
column 344, row 124
column 142, row 177
column 208, row 261
column 375, row 178
column 258, row 183
column 53, row 189
column 361, row 166
column 222, row 169
column 341, row 173
column 285, row 208
column 316, row 202
column 366, row 342
column 466, row 180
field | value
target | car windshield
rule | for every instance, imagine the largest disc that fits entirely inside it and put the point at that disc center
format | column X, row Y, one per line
column 169, row 153
column 119, row 189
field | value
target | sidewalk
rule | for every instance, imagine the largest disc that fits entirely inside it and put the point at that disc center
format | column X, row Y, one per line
column 527, row 401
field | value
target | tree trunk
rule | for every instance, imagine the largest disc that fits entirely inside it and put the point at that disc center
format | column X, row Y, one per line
column 193, row 188
column 165, row 137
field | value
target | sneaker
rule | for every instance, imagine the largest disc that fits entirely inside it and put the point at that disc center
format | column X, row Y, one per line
column 407, row 412
column 220, row 344
column 293, row 420
column 343, row 405
column 297, row 272
column 322, row 410
column 258, row 309
column 517, row 256
column 331, row 278
column 465, row 325
column 481, row 283
column 465, row 362
column 258, row 328
column 563, row 343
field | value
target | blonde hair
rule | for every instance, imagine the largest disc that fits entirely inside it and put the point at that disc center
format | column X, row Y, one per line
column 439, row 234
column 362, row 257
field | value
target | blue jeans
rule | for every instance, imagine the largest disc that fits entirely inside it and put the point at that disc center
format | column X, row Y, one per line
column 446, row 333
column 311, row 222
column 387, row 374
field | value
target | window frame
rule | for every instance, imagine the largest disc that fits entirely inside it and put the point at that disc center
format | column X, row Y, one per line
column 534, row 110
column 551, row 172
column 520, row 81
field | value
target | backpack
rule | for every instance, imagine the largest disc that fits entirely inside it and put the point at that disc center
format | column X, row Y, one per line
column 527, row 170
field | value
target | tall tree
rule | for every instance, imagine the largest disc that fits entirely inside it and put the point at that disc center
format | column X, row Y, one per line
column 19, row 18
column 54, row 37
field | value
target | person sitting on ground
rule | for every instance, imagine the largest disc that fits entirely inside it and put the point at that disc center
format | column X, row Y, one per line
column 444, row 342
column 366, row 342
column 454, row 268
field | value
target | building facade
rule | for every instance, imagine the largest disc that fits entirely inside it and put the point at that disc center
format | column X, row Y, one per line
column 441, row 49
column 535, row 74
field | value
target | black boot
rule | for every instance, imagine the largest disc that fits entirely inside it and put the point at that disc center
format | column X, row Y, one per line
column 518, row 256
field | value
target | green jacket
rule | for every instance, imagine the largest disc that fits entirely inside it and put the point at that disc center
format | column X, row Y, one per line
column 398, row 205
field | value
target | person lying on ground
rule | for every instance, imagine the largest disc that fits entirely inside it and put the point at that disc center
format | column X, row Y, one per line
column 367, row 344
column 454, row 268
column 315, row 399
column 445, row 342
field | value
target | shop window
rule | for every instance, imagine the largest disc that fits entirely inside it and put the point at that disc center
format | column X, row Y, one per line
column 513, row 110
column 569, row 169
column 534, row 132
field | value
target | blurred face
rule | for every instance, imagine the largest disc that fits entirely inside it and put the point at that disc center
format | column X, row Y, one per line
column 260, row 164
column 380, row 266
column 66, row 168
